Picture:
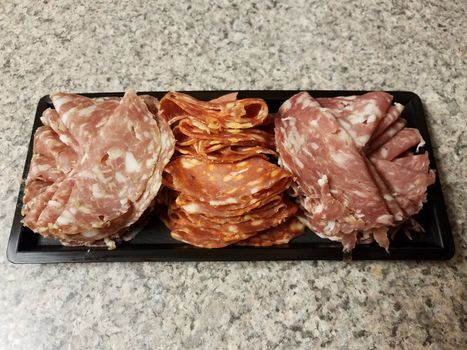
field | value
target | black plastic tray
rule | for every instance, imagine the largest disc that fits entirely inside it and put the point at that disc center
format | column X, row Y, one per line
column 154, row 243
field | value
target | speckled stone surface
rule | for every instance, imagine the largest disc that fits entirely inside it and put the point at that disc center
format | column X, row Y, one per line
column 95, row 46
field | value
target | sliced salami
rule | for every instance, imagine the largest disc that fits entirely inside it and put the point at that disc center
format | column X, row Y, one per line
column 328, row 166
column 359, row 115
column 222, row 184
column 106, row 184
column 391, row 116
column 392, row 130
column 403, row 141
column 278, row 235
column 355, row 177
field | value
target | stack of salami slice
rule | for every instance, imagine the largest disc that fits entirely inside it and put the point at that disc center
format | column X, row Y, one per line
column 226, row 191
column 96, row 167
column 355, row 174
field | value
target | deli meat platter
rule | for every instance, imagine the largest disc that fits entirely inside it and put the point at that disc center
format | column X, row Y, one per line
column 283, row 217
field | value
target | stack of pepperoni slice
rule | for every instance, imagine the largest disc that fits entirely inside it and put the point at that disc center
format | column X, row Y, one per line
column 96, row 167
column 223, row 130
column 225, row 190
column 356, row 176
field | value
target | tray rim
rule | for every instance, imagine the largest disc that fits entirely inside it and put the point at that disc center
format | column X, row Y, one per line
column 361, row 252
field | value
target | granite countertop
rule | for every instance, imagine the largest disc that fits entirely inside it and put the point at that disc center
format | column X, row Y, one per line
column 88, row 46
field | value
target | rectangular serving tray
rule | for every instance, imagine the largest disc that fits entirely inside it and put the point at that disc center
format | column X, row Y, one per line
column 153, row 243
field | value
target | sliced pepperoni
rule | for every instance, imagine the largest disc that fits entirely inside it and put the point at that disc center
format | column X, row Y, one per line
column 278, row 235
column 222, row 184
column 222, row 113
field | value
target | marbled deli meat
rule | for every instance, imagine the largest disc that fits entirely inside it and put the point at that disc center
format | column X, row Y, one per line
column 106, row 158
column 355, row 176
column 226, row 189
column 361, row 115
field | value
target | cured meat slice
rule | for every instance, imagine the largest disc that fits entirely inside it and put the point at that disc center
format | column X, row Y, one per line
column 398, row 144
column 359, row 115
column 338, row 102
column 278, row 235
column 222, row 184
column 415, row 162
column 44, row 168
column 113, row 174
column 268, row 209
column 407, row 186
column 330, row 175
column 219, row 231
column 239, row 225
column 227, row 190
column 218, row 114
column 167, row 143
column 106, row 184
column 321, row 156
column 394, row 208
column 51, row 118
column 33, row 208
column 392, row 115
column 83, row 117
column 347, row 239
column 215, row 130
column 199, row 237
column 380, row 234
column 228, row 146
column 196, row 207
column 226, row 154
column 392, row 130
column 240, row 137
column 47, row 143
column 52, row 159
column 33, row 189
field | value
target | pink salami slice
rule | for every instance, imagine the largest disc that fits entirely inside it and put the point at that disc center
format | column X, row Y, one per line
column 359, row 115
column 407, row 186
column 329, row 168
column 110, row 153
column 392, row 130
column 403, row 141
column 391, row 116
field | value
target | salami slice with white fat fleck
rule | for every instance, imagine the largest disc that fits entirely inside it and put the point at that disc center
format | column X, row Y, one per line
column 314, row 141
column 281, row 234
column 390, row 131
column 326, row 161
column 232, row 230
column 407, row 185
column 415, row 162
column 391, row 116
column 222, row 184
column 359, row 115
column 217, row 114
column 404, row 140
column 107, row 184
